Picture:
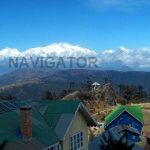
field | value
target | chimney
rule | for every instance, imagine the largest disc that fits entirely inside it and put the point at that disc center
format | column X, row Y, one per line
column 26, row 122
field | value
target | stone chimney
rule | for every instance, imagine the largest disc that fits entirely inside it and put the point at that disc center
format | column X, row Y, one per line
column 26, row 122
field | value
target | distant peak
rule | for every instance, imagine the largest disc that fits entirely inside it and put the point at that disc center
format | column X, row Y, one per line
column 9, row 52
column 125, row 50
column 60, row 49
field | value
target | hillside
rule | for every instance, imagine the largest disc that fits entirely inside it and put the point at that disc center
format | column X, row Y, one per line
column 20, row 83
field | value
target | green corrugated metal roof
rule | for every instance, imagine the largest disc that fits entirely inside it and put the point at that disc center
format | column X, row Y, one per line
column 10, row 123
column 56, row 108
column 43, row 125
column 62, row 106
column 135, row 111
column 42, row 132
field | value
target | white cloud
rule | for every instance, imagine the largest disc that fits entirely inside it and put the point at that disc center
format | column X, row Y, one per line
column 108, row 52
column 9, row 52
column 138, row 59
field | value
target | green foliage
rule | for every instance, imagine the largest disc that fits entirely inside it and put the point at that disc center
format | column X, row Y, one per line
column 48, row 95
column 63, row 93
column 132, row 92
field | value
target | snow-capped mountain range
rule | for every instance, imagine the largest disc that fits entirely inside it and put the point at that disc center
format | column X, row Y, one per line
column 123, row 59
column 56, row 49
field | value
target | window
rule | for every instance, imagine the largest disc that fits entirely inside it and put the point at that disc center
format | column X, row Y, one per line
column 133, row 137
column 76, row 141
column 54, row 147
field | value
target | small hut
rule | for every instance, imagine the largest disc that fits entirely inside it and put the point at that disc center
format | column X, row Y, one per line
column 95, row 85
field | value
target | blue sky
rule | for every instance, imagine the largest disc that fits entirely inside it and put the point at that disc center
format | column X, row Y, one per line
column 95, row 24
